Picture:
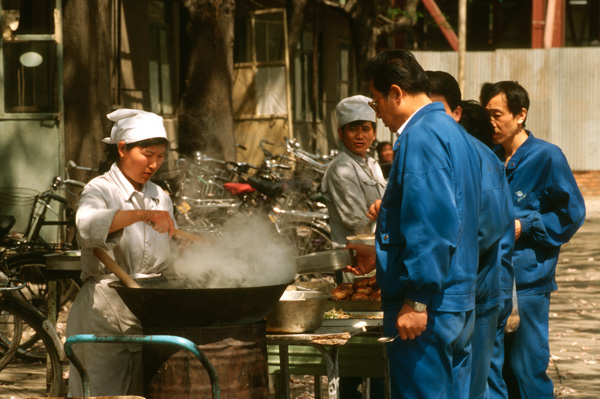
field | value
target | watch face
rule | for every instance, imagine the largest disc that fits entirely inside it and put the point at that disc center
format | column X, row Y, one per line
column 419, row 307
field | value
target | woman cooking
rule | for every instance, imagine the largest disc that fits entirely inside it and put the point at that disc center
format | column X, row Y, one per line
column 131, row 218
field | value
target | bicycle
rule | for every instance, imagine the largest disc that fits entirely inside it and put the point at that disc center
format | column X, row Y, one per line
column 19, row 320
column 23, row 250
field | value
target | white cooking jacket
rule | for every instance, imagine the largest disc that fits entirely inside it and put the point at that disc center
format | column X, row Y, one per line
column 114, row 369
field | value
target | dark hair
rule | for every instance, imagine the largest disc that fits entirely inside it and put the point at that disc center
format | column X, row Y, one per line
column 382, row 144
column 112, row 151
column 358, row 123
column 399, row 67
column 476, row 122
column 515, row 94
column 444, row 84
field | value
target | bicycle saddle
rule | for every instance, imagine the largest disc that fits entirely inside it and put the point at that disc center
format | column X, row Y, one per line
column 6, row 223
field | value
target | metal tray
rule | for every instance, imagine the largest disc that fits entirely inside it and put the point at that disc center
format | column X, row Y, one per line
column 354, row 306
column 69, row 260
column 325, row 261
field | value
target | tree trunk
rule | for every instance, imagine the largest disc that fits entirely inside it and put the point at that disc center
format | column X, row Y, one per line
column 87, row 55
column 367, row 33
column 206, row 112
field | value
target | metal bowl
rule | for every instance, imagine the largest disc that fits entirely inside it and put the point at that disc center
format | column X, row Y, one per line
column 297, row 312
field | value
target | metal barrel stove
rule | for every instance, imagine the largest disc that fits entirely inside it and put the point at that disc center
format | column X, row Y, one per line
column 227, row 325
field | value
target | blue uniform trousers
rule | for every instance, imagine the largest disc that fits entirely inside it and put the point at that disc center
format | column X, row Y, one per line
column 496, row 388
column 482, row 343
column 527, row 351
column 436, row 364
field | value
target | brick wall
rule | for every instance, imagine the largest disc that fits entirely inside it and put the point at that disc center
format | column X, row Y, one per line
column 589, row 183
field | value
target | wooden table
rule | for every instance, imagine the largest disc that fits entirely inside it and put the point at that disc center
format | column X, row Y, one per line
column 327, row 340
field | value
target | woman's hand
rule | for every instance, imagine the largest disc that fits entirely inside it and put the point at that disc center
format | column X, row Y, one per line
column 160, row 221
column 374, row 210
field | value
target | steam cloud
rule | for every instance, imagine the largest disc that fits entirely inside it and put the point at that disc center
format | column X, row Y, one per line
column 248, row 254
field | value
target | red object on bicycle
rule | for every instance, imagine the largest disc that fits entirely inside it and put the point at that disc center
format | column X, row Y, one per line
column 239, row 188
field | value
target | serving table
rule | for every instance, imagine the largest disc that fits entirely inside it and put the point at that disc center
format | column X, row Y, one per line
column 329, row 340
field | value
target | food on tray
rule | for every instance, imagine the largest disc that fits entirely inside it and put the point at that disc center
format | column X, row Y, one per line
column 363, row 289
column 340, row 314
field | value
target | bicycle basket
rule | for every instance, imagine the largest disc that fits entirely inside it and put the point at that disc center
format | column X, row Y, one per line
column 19, row 202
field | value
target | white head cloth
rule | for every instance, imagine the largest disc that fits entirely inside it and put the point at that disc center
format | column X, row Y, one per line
column 133, row 125
column 355, row 108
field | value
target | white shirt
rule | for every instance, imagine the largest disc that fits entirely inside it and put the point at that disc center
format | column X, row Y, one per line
column 137, row 248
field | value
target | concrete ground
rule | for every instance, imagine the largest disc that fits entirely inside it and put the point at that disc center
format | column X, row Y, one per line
column 574, row 326
column 575, row 313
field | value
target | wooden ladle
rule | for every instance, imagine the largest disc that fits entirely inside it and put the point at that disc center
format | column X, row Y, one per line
column 183, row 235
column 115, row 268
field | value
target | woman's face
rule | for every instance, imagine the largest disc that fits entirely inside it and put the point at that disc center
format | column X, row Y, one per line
column 139, row 164
column 386, row 155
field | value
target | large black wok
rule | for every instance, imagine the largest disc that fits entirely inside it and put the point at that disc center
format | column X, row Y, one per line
column 167, row 302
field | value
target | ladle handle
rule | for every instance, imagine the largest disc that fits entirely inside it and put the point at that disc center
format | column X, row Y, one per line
column 184, row 235
column 115, row 268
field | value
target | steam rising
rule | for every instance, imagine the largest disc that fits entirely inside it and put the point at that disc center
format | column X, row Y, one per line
column 248, row 254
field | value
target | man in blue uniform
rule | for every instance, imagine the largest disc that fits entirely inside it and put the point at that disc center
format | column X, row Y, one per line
column 548, row 209
column 496, row 236
column 426, row 238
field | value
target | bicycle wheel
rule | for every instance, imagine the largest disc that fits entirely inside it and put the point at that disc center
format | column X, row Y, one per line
column 31, row 267
column 11, row 329
column 17, row 310
column 305, row 237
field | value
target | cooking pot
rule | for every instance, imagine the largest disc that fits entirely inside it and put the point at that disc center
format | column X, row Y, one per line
column 297, row 312
column 169, row 302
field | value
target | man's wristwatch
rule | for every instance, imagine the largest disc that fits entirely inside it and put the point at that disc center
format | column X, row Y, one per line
column 417, row 306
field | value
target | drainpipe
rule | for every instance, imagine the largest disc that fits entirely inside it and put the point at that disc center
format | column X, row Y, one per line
column 537, row 24
column 549, row 28
column 462, row 43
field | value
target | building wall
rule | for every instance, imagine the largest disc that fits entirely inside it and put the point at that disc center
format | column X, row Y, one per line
column 562, row 84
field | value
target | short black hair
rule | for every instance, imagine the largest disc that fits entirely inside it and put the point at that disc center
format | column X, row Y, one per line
column 399, row 67
column 444, row 84
column 515, row 94
column 382, row 144
column 476, row 121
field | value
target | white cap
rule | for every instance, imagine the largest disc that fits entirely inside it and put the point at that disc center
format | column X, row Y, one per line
column 355, row 108
column 133, row 125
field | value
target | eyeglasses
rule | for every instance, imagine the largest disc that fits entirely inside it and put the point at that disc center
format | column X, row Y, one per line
column 373, row 103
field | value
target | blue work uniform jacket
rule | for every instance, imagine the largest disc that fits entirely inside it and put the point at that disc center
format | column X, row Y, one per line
column 549, row 206
column 426, row 238
column 496, row 233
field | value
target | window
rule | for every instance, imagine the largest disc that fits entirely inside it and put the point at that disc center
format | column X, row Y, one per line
column 160, row 70
column 260, row 62
column 304, row 82
column 29, row 48
column 344, row 71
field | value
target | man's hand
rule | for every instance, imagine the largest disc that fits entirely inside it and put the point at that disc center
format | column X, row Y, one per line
column 410, row 323
column 365, row 258
column 517, row 229
column 374, row 210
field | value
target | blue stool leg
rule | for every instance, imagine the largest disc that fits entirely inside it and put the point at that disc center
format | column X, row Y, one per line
column 169, row 340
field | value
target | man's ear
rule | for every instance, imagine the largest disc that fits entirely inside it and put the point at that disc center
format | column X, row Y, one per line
column 457, row 113
column 340, row 134
column 522, row 116
column 395, row 93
